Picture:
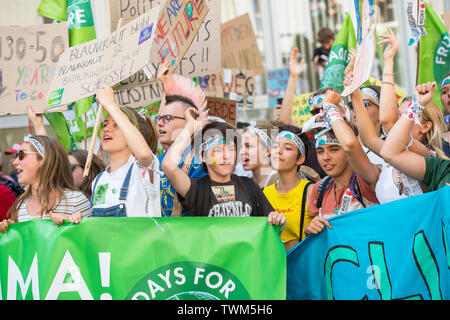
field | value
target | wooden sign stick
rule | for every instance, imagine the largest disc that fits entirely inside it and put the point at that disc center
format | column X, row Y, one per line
column 98, row 118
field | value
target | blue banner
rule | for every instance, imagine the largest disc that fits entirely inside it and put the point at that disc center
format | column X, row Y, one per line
column 398, row 250
column 277, row 83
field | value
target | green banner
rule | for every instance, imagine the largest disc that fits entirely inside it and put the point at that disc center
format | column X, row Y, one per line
column 339, row 58
column 434, row 61
column 144, row 259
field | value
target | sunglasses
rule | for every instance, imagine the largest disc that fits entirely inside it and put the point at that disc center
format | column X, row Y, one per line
column 21, row 154
column 366, row 103
column 167, row 118
column 315, row 111
column 74, row 165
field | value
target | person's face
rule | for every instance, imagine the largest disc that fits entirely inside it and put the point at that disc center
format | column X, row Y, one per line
column 285, row 155
column 445, row 97
column 221, row 160
column 333, row 159
column 111, row 137
column 77, row 172
column 28, row 166
column 167, row 132
column 252, row 153
column 372, row 109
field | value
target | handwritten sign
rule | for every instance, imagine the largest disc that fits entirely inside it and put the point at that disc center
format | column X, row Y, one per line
column 84, row 68
column 177, row 27
column 138, row 96
column 223, row 108
column 277, row 83
column 28, row 58
column 129, row 10
column 301, row 108
column 239, row 46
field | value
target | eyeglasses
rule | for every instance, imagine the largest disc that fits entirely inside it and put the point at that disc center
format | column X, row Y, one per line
column 74, row 165
column 21, row 154
column 366, row 103
column 167, row 118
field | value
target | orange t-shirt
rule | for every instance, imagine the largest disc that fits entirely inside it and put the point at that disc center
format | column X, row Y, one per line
column 332, row 202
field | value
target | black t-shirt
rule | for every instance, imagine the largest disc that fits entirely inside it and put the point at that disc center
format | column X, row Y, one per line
column 241, row 197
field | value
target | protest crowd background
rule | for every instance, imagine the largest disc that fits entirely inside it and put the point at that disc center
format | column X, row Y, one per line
column 304, row 133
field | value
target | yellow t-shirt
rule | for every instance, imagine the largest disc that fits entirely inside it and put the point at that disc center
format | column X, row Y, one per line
column 289, row 205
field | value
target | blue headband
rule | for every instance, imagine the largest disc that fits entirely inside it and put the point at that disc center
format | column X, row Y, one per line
column 294, row 138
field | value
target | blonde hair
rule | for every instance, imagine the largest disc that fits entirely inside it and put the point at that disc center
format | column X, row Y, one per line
column 434, row 136
column 54, row 176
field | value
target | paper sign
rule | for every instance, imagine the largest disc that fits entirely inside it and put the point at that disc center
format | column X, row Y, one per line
column 138, row 96
column 277, row 83
column 223, row 108
column 84, row 68
column 301, row 108
column 28, row 58
column 239, row 46
column 365, row 49
column 129, row 10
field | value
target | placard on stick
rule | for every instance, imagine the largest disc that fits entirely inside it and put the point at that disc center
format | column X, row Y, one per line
column 223, row 108
column 84, row 68
column 28, row 59
column 239, row 46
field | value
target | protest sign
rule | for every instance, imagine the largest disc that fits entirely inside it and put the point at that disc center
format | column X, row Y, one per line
column 301, row 108
column 223, row 108
column 228, row 83
column 129, row 10
column 88, row 261
column 138, row 96
column 446, row 18
column 84, row 68
column 277, row 83
column 366, row 13
column 28, row 56
column 239, row 47
column 364, row 257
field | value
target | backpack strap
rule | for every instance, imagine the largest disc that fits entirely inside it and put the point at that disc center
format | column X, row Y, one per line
column 355, row 190
column 302, row 215
column 324, row 186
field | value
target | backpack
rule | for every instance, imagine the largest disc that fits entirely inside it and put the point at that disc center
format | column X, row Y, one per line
column 326, row 183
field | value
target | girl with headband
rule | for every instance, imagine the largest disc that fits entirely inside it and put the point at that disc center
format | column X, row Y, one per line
column 351, row 180
column 288, row 195
column 129, row 186
column 255, row 152
column 43, row 167
column 220, row 193
column 433, row 172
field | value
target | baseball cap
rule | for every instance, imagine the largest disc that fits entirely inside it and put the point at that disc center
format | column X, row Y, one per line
column 14, row 149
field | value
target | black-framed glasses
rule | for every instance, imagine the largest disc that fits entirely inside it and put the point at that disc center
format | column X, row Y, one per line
column 74, row 166
column 21, row 154
column 167, row 118
column 366, row 102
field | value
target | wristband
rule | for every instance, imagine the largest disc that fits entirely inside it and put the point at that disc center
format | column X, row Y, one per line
column 413, row 112
column 331, row 113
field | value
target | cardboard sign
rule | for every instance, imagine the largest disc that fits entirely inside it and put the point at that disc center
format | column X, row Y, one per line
column 365, row 49
column 138, row 96
column 301, row 108
column 446, row 18
column 28, row 58
column 239, row 46
column 84, row 68
column 277, row 83
column 129, row 10
column 223, row 108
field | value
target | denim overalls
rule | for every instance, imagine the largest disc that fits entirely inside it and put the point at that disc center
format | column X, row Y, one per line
column 118, row 210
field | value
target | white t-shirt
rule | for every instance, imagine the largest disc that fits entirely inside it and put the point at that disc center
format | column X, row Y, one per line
column 142, row 194
column 72, row 202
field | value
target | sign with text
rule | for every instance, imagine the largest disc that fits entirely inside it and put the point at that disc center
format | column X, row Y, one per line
column 138, row 96
column 28, row 59
column 239, row 47
column 84, row 68
column 277, row 83
column 301, row 108
column 129, row 10
column 223, row 108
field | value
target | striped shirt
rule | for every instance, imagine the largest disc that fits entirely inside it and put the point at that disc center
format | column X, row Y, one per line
column 72, row 202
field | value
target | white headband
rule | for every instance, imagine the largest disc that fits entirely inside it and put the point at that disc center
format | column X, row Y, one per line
column 294, row 138
column 210, row 143
column 36, row 144
column 261, row 134
column 372, row 93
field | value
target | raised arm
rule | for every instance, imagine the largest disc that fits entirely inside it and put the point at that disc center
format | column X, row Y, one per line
column 134, row 139
column 37, row 121
column 358, row 159
column 388, row 101
column 295, row 69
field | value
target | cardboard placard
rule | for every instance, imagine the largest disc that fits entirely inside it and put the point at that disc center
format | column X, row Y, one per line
column 301, row 108
column 225, row 109
column 84, row 68
column 239, row 47
column 138, row 96
column 446, row 18
column 129, row 10
column 28, row 59
column 277, row 83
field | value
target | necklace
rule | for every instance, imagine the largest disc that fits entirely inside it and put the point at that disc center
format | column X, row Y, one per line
column 336, row 210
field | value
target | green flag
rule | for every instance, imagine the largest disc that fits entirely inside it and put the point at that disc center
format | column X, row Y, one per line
column 434, row 59
column 143, row 259
column 59, row 124
column 339, row 58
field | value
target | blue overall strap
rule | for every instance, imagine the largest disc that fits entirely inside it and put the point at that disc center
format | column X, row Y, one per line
column 126, row 183
column 95, row 185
